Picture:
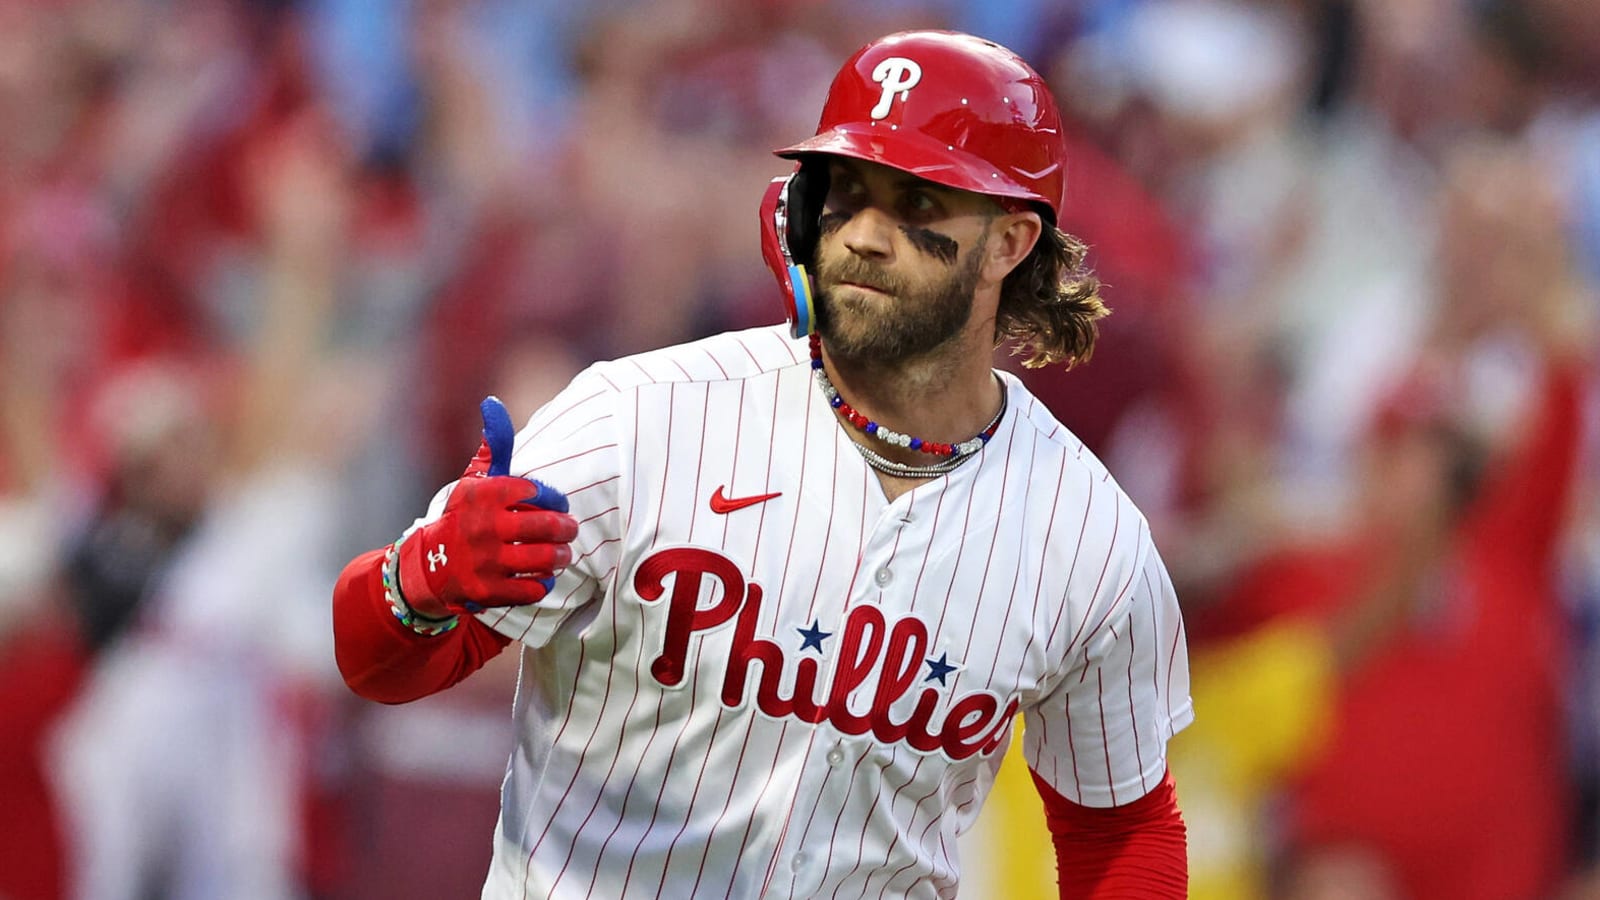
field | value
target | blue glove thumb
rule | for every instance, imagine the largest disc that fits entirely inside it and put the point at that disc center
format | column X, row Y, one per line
column 499, row 434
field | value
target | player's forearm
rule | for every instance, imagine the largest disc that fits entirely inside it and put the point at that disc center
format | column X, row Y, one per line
column 1133, row 852
column 384, row 660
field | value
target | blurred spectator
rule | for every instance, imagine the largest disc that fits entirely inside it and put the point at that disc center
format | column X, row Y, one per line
column 218, row 633
column 1438, row 609
column 1306, row 281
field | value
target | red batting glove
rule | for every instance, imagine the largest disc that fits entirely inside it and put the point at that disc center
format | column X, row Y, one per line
column 500, row 542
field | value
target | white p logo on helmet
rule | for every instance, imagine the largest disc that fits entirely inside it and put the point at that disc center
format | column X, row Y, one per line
column 898, row 75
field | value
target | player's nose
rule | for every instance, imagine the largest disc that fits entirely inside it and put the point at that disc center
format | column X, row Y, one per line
column 869, row 233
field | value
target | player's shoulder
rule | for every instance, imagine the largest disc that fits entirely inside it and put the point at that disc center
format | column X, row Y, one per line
column 1055, row 446
column 1039, row 425
column 727, row 356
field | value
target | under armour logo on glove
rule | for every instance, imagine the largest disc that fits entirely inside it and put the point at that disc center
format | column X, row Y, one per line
column 508, row 536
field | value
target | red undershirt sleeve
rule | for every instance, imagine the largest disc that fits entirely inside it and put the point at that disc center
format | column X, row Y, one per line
column 383, row 660
column 1138, row 851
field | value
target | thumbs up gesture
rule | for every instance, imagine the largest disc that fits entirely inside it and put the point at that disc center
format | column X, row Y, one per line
column 500, row 541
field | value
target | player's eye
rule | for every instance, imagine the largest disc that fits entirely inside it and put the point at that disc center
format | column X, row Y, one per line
column 844, row 189
column 921, row 205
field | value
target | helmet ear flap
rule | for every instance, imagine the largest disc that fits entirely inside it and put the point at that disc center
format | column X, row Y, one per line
column 808, row 190
column 790, row 228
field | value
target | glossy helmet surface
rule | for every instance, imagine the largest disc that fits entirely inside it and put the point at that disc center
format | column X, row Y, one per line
column 947, row 107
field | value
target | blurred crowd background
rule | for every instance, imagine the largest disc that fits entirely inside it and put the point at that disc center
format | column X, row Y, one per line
column 260, row 260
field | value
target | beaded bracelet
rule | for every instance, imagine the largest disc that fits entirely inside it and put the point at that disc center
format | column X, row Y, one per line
column 427, row 626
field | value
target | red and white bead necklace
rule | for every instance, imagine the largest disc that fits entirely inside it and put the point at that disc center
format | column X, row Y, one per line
column 953, row 454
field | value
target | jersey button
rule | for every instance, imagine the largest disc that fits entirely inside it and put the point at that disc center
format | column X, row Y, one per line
column 883, row 577
column 835, row 756
column 798, row 863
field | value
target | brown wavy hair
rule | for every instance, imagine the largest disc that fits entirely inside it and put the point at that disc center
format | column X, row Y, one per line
column 1050, row 303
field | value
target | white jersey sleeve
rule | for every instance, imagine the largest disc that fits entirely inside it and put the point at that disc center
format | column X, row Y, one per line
column 569, row 444
column 1099, row 737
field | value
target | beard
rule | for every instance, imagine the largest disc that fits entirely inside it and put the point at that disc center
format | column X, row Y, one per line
column 905, row 321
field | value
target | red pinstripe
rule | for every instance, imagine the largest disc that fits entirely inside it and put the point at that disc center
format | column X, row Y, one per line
column 988, row 560
column 1098, row 585
column 827, row 541
column 595, row 421
column 534, row 615
column 861, row 540
column 655, row 728
column 604, row 512
column 1155, row 670
column 588, row 745
column 933, row 530
column 1172, row 656
column 558, row 416
column 888, row 854
column 593, row 484
column 1072, row 570
column 854, row 771
column 1105, row 566
column 868, row 482
column 894, row 549
column 566, row 720
column 916, row 807
column 861, row 844
column 1072, row 751
column 1116, row 602
column 746, row 348
column 580, row 455
column 1016, row 576
column 694, row 688
column 792, row 348
column 1100, row 697
column 1133, row 713
column 805, row 444
column 738, row 434
column 527, row 870
column 961, row 543
column 932, row 821
column 715, row 362
column 815, row 592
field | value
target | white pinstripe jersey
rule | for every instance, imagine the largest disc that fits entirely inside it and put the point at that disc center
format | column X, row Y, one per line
column 809, row 695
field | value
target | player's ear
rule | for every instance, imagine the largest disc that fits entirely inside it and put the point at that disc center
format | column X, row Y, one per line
column 1012, row 237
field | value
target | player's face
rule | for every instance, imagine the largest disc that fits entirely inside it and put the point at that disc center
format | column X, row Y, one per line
column 897, row 263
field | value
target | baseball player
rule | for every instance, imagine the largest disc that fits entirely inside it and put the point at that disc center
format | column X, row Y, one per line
column 797, row 583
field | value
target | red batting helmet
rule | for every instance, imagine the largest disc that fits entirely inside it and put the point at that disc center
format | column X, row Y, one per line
column 950, row 108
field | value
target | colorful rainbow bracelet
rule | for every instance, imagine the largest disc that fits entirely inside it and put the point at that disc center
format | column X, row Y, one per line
column 427, row 626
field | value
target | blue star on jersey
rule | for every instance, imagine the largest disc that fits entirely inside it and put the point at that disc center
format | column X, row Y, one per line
column 813, row 637
column 939, row 668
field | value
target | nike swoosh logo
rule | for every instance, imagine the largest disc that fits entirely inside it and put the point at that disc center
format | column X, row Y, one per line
column 722, row 505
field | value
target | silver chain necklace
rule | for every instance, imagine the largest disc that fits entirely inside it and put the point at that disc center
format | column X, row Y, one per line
column 901, row 470
column 945, row 466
